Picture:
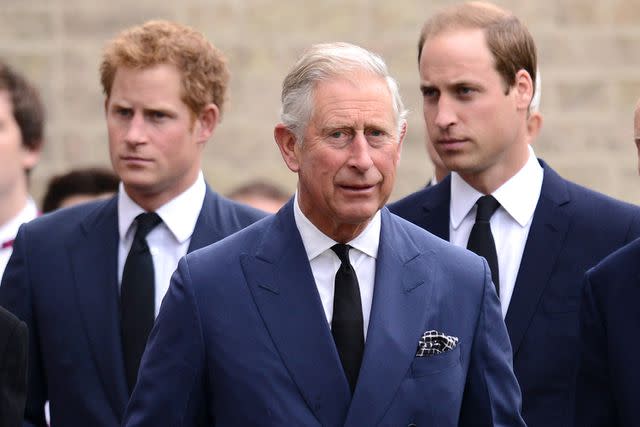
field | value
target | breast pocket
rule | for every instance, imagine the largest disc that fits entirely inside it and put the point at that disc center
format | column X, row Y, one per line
column 429, row 365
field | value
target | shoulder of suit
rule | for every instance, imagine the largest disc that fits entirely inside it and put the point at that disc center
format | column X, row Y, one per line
column 69, row 218
column 625, row 259
column 242, row 213
column 581, row 194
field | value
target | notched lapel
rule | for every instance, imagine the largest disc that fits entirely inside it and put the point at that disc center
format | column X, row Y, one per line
column 283, row 288
column 208, row 228
column 403, row 286
column 436, row 209
column 94, row 263
column 544, row 243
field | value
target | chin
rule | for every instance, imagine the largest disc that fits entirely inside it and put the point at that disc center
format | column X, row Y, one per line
column 358, row 216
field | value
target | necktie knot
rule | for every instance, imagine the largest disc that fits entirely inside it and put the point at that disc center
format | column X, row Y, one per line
column 146, row 222
column 342, row 251
column 487, row 205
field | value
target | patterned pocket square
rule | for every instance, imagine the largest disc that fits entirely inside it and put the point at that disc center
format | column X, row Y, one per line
column 434, row 342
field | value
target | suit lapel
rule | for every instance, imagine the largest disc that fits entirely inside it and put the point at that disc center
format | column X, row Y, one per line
column 208, row 227
column 545, row 240
column 282, row 284
column 436, row 209
column 94, row 263
column 400, row 305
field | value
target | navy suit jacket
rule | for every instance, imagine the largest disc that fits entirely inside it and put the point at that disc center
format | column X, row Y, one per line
column 62, row 281
column 609, row 374
column 573, row 229
column 13, row 369
column 242, row 339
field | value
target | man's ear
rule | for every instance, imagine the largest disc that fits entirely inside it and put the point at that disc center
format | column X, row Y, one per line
column 534, row 124
column 523, row 89
column 31, row 156
column 403, row 133
column 288, row 145
column 206, row 122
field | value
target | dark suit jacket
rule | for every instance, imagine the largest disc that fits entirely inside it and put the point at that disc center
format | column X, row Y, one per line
column 609, row 373
column 242, row 339
column 573, row 228
column 13, row 369
column 62, row 281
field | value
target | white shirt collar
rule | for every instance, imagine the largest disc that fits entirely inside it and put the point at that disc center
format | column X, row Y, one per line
column 179, row 215
column 316, row 242
column 9, row 230
column 518, row 196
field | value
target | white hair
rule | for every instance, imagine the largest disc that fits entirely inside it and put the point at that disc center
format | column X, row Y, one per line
column 322, row 62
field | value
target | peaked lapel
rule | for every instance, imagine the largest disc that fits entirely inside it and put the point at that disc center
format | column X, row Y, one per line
column 94, row 263
column 282, row 284
column 436, row 209
column 403, row 285
column 210, row 225
column 545, row 240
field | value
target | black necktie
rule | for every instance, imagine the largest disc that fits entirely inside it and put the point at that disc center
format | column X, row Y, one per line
column 481, row 239
column 346, row 325
column 137, row 297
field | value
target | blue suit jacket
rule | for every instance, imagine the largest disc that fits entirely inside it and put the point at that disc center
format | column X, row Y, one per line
column 609, row 374
column 242, row 339
column 13, row 369
column 573, row 228
column 62, row 281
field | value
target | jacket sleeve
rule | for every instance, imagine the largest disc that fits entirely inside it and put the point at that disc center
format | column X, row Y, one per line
column 594, row 399
column 492, row 394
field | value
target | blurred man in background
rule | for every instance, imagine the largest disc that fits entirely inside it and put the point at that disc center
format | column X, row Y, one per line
column 21, row 139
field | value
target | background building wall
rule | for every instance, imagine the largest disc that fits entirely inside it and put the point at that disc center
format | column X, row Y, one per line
column 589, row 54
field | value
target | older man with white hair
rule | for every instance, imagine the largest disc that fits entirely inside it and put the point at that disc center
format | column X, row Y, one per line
column 333, row 311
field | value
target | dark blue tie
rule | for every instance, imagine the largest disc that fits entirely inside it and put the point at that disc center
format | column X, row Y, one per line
column 137, row 297
column 347, row 324
column 481, row 239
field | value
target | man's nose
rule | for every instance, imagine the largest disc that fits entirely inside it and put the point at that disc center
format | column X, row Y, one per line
column 136, row 132
column 360, row 152
column 445, row 113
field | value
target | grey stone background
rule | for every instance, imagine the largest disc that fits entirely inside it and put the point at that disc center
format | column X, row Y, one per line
column 589, row 55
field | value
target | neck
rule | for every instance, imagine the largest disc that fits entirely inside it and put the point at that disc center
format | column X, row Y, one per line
column 490, row 179
column 12, row 202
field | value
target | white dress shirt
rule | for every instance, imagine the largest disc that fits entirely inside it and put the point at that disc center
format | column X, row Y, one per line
column 510, row 224
column 169, row 241
column 325, row 263
column 9, row 230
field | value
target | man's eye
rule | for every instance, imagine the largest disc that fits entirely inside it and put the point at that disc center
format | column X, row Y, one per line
column 464, row 91
column 157, row 115
column 337, row 134
column 124, row 112
column 428, row 92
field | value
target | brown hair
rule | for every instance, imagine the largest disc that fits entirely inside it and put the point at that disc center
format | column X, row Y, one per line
column 28, row 110
column 508, row 39
column 203, row 67
column 90, row 181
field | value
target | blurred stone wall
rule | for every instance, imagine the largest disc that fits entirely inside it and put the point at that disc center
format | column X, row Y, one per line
column 589, row 56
